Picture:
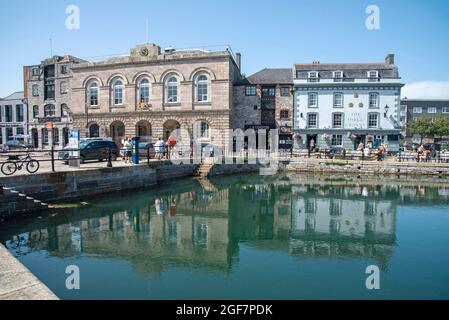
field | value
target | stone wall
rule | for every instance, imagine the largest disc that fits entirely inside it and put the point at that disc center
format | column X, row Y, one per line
column 227, row 169
column 366, row 167
column 85, row 183
column 246, row 108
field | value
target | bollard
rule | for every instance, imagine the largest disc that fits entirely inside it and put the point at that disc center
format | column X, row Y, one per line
column 109, row 165
column 148, row 155
column 52, row 159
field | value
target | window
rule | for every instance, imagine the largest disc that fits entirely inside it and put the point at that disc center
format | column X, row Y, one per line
column 417, row 109
column 55, row 136
column 338, row 76
column 49, row 89
column 202, row 89
column 445, row 110
column 403, row 108
column 269, row 92
column 118, row 92
column 44, row 136
column 374, row 100
column 284, row 114
column 204, row 129
column 373, row 120
column 64, row 69
column 63, row 87
column 337, row 120
column 144, row 91
column 313, row 76
column 431, row 110
column 373, row 76
column 19, row 113
column 172, row 89
column 35, row 112
column 337, row 140
column 285, row 91
column 20, row 131
column 35, row 90
column 35, row 71
column 313, row 100
column 49, row 111
column 92, row 93
column 312, row 120
column 250, row 90
column 338, row 100
column 8, row 113
column 64, row 110
column 9, row 134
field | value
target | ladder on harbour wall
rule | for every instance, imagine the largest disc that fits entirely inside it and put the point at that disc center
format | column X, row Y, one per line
column 13, row 202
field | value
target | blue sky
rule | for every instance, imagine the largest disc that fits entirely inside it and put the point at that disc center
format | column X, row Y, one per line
column 267, row 33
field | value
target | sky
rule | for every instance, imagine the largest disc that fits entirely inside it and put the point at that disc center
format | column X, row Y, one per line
column 267, row 33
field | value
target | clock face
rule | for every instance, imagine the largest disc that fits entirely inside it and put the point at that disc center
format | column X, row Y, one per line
column 144, row 51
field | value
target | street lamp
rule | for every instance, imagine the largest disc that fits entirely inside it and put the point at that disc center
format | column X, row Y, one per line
column 386, row 110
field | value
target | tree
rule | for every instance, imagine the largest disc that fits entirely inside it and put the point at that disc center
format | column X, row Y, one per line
column 426, row 127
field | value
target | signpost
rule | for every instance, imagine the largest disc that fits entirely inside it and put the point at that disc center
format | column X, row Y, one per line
column 74, row 143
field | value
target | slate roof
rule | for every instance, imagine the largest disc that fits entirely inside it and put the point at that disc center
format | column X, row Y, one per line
column 270, row 76
column 350, row 70
column 18, row 95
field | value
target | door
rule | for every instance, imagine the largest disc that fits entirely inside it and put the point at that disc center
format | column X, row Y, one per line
column 311, row 140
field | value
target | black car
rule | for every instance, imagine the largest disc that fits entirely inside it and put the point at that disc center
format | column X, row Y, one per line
column 93, row 150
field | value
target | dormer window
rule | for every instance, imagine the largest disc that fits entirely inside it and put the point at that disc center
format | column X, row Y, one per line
column 313, row 76
column 373, row 75
column 338, row 76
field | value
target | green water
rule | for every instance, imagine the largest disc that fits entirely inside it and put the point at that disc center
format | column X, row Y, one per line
column 247, row 237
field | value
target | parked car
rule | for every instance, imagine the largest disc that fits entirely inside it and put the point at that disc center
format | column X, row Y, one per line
column 16, row 145
column 93, row 150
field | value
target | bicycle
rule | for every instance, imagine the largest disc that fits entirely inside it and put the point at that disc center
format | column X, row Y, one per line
column 14, row 163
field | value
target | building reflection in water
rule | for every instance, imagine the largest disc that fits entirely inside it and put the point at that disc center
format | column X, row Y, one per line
column 202, row 225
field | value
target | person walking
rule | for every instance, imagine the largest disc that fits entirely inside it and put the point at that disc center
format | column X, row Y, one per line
column 159, row 146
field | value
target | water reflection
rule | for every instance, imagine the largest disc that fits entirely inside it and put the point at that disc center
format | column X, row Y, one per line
column 200, row 224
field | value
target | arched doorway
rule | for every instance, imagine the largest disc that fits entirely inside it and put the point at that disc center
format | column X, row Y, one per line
column 143, row 130
column 94, row 131
column 170, row 126
column 117, row 131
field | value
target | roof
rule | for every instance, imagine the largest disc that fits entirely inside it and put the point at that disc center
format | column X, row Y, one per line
column 18, row 95
column 271, row 76
column 386, row 69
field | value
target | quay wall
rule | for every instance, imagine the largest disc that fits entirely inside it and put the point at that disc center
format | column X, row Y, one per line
column 366, row 167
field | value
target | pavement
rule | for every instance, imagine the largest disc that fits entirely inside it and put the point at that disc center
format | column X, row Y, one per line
column 18, row 283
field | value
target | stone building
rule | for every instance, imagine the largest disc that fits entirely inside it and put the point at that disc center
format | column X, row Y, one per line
column 344, row 104
column 13, row 118
column 48, row 97
column 264, row 101
column 151, row 92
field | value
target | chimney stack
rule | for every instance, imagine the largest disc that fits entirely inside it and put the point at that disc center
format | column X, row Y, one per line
column 239, row 60
column 389, row 60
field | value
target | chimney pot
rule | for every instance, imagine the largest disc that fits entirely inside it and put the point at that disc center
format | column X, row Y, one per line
column 389, row 60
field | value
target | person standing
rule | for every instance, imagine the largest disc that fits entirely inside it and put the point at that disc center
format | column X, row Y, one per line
column 128, row 148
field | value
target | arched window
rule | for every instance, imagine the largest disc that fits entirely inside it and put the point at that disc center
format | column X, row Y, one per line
column 35, row 111
column 144, row 90
column 49, row 110
column 92, row 93
column 94, row 131
column 118, row 92
column 171, row 89
column 202, row 89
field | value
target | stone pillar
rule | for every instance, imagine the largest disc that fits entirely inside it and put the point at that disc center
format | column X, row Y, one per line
column 40, row 138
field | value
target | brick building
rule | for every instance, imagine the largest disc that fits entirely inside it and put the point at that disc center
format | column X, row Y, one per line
column 264, row 101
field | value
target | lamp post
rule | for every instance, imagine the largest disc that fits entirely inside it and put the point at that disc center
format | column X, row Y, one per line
column 86, row 107
column 386, row 110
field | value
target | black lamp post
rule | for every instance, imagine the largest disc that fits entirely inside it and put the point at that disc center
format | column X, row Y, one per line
column 386, row 110
column 86, row 107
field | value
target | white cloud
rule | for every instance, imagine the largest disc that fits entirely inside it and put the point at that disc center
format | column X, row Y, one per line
column 426, row 90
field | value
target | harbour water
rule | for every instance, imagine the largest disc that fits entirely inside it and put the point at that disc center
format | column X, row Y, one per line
column 245, row 237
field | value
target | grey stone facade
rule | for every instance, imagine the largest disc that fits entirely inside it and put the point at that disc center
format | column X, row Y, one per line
column 47, row 89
